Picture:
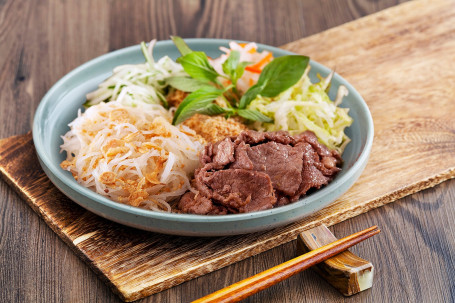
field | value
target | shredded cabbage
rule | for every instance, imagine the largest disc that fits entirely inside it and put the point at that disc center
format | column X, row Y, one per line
column 134, row 83
column 306, row 106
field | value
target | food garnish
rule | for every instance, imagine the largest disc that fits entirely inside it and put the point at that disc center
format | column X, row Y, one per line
column 276, row 77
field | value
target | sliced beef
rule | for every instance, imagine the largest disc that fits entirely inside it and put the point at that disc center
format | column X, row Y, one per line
column 283, row 163
column 312, row 177
column 281, row 200
column 190, row 203
column 241, row 157
column 253, row 137
column 310, row 137
column 250, row 137
column 259, row 170
column 241, row 190
column 223, row 152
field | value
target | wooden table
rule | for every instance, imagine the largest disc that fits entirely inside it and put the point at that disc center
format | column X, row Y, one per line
column 40, row 41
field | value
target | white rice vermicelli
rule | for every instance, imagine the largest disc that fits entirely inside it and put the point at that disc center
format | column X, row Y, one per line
column 132, row 155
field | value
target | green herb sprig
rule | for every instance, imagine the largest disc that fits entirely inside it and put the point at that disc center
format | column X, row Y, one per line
column 205, row 87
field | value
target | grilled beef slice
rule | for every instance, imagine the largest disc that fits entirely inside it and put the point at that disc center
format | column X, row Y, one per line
column 259, row 170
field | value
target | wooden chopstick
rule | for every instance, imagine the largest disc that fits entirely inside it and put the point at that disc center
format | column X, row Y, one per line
column 265, row 279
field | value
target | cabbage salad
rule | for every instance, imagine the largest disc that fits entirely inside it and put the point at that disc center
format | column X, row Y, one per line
column 307, row 106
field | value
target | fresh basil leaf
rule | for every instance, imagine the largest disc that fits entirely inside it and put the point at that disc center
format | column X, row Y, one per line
column 279, row 75
column 233, row 68
column 282, row 73
column 186, row 84
column 197, row 66
column 239, row 71
column 250, row 95
column 230, row 65
column 196, row 102
column 212, row 109
column 254, row 115
column 183, row 48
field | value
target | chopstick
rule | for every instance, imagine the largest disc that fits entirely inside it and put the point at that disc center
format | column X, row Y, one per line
column 245, row 288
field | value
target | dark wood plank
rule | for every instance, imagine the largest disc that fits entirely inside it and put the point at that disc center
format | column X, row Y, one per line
column 37, row 266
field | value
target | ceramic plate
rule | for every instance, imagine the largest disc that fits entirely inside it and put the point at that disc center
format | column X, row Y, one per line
column 59, row 107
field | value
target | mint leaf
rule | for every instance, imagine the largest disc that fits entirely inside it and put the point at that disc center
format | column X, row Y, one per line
column 199, row 101
column 186, row 84
column 183, row 48
column 253, row 115
column 197, row 66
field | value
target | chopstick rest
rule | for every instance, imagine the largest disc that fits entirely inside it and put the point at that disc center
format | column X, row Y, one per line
column 346, row 272
column 245, row 288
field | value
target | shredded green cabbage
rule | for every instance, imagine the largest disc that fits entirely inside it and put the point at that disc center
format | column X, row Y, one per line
column 133, row 83
column 306, row 106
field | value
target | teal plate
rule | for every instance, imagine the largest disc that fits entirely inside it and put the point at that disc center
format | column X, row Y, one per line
column 59, row 107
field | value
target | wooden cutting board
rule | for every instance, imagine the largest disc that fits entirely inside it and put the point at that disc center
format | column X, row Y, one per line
column 402, row 60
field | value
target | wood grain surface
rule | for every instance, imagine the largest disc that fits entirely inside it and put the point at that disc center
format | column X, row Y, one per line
column 40, row 41
column 252, row 285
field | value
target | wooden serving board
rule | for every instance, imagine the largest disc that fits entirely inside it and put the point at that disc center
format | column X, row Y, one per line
column 402, row 60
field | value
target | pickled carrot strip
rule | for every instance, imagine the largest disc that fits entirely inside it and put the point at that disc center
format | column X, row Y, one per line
column 252, row 69
column 256, row 68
